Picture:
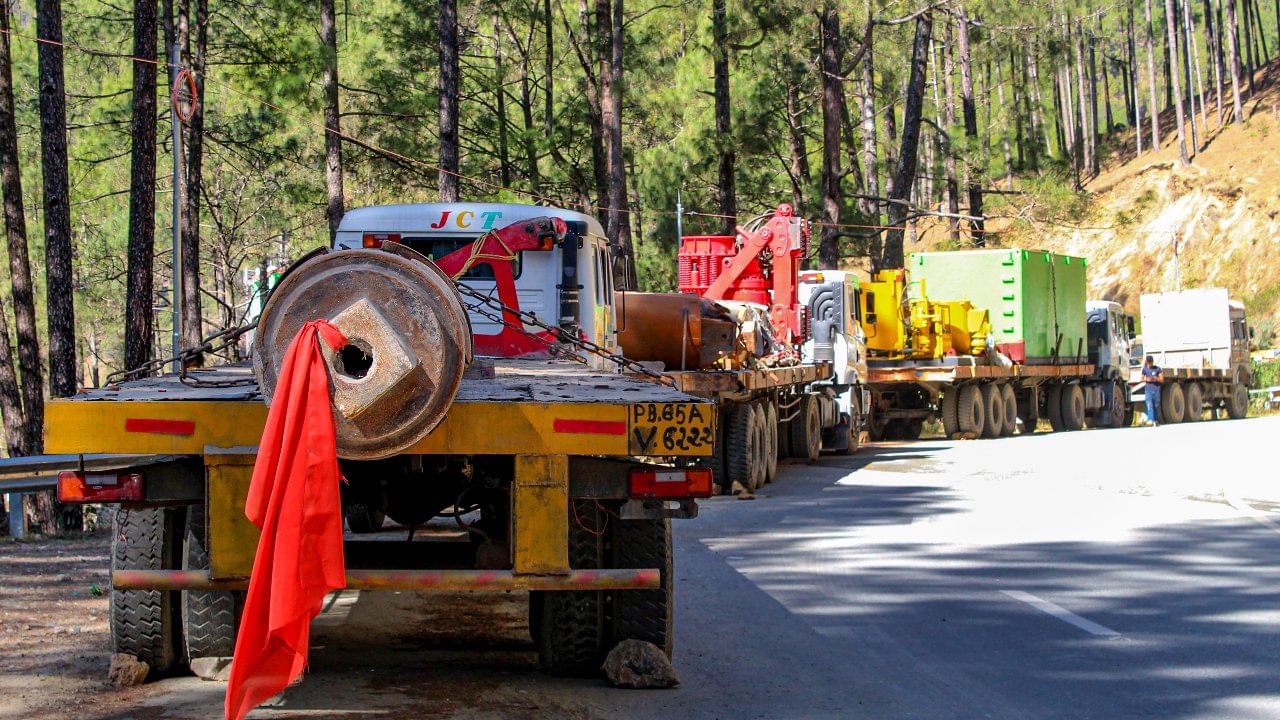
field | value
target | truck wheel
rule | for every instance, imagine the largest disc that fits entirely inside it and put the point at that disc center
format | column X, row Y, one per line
column 209, row 618
column 1053, row 404
column 364, row 518
column 950, row 412
column 1194, row 403
column 1120, row 413
column 740, row 454
column 1073, row 412
column 644, row 614
column 972, row 417
column 1173, row 404
column 912, row 429
column 1238, row 403
column 854, row 429
column 1010, row 409
column 993, row 408
column 571, row 630
column 806, row 430
column 142, row 622
column 771, row 441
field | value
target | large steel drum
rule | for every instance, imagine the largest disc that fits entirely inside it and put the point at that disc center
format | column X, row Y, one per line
column 410, row 342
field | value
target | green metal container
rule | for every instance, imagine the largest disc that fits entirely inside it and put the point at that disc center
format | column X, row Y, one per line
column 1036, row 299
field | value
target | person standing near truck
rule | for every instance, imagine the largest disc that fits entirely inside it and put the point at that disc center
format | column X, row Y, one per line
column 1153, row 376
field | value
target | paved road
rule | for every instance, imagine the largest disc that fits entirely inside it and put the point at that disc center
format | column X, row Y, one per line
column 1102, row 574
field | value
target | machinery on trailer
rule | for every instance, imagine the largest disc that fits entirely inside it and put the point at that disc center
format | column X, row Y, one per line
column 524, row 470
column 780, row 353
column 1200, row 338
column 986, row 339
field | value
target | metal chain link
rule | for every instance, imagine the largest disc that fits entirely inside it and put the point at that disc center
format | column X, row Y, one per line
column 227, row 337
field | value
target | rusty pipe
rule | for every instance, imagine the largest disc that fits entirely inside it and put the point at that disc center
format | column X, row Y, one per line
column 442, row 580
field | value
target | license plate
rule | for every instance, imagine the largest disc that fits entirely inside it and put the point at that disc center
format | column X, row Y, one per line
column 671, row 429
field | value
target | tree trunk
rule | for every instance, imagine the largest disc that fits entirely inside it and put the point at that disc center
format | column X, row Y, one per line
column 449, row 80
column 1184, row 40
column 142, row 200
column 830, row 62
column 949, row 122
column 1017, row 84
column 59, row 283
column 1232, row 41
column 1262, row 54
column 900, row 188
column 1247, row 31
column 619, row 226
column 973, row 172
column 192, row 317
column 15, row 425
column 530, row 134
column 500, row 101
column 1085, row 132
column 335, row 206
column 1151, row 78
column 1004, row 133
column 1213, row 38
column 1135, row 81
column 724, row 128
column 799, row 172
column 1194, row 70
column 30, row 415
column 870, row 150
column 1179, row 117
column 1040, row 140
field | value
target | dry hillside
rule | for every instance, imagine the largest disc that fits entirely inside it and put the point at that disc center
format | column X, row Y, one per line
column 1224, row 207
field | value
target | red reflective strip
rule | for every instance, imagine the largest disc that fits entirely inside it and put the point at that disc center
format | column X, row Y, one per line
column 590, row 427
column 160, row 427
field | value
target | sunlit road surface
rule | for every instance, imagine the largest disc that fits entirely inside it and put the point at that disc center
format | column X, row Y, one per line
column 1100, row 574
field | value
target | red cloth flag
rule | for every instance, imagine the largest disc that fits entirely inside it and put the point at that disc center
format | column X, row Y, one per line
column 294, row 499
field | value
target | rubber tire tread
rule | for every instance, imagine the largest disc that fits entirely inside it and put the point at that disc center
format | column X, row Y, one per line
column 771, row 444
column 1193, row 403
column 142, row 622
column 1053, row 404
column 972, row 418
column 740, row 440
column 854, row 429
column 572, row 629
column 210, row 618
column 806, row 443
column 1121, row 415
column 951, row 413
column 1238, row 403
column 363, row 518
column 1173, row 404
column 1072, row 407
column 1010, row 400
column 761, row 449
column 647, row 615
column 993, row 408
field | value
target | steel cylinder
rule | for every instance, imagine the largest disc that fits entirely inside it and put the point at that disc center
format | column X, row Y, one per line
column 409, row 343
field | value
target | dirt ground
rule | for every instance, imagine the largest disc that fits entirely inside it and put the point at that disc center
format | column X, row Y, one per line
column 53, row 629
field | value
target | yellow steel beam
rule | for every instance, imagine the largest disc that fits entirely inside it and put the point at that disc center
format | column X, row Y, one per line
column 233, row 540
column 187, row 427
column 540, row 515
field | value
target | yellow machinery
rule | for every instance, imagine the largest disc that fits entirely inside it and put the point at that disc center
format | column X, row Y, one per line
column 902, row 323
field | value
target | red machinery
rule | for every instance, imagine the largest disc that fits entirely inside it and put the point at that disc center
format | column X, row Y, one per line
column 757, row 266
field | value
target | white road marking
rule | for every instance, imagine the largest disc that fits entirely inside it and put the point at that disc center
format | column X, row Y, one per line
column 1061, row 613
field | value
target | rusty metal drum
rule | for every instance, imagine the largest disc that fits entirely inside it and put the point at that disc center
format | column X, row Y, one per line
column 410, row 343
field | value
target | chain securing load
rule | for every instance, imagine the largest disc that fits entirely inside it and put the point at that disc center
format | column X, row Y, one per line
column 410, row 343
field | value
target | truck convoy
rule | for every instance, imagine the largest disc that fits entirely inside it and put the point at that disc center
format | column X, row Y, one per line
column 1200, row 339
column 479, row 406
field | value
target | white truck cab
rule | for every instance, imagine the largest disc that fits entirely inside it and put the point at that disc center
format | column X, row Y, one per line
column 832, row 301
column 1109, row 330
column 569, row 283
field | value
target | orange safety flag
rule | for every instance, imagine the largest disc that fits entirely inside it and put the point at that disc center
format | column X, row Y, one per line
column 294, row 499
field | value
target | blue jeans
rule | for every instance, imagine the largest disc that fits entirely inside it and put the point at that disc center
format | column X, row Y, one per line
column 1152, row 394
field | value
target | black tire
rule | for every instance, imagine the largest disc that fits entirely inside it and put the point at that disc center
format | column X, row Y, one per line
column 1194, row 400
column 715, row 462
column 1173, row 404
column 209, row 618
column 572, row 630
column 1010, row 400
column 771, row 441
column 950, row 412
column 972, row 417
column 1238, row 403
column 142, row 621
column 647, row 615
column 1073, row 409
column 364, row 518
column 740, row 450
column 1053, row 406
column 1120, row 413
column 806, row 430
column 993, row 408
column 912, row 429
column 760, row 463
column 853, row 422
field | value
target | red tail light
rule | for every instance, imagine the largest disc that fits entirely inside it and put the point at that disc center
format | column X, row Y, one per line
column 671, row 483
column 83, row 487
column 376, row 240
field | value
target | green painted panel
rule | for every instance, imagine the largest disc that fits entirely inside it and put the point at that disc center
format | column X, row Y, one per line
column 1032, row 296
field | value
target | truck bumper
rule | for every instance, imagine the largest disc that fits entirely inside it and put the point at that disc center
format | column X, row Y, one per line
column 442, row 580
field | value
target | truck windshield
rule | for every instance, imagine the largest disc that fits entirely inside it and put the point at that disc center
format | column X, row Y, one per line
column 438, row 247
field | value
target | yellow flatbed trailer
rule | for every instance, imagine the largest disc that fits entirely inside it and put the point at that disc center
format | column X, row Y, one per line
column 545, row 475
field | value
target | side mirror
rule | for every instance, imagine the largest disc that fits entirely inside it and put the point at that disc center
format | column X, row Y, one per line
column 1129, row 325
